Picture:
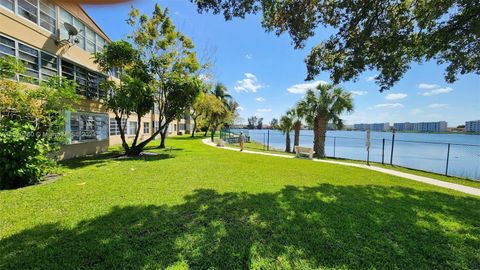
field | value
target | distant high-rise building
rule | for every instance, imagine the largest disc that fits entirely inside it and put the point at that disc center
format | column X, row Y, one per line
column 472, row 126
column 440, row 126
column 372, row 127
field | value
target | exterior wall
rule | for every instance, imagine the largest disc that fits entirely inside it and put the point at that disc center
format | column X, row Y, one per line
column 440, row 126
column 372, row 127
column 16, row 27
column 472, row 126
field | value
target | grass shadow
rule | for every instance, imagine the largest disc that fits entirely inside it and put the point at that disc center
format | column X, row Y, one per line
column 102, row 159
column 297, row 227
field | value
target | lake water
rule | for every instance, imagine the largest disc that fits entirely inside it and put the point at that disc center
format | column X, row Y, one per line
column 423, row 151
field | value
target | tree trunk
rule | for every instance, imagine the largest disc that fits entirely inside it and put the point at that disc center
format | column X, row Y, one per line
column 213, row 133
column 319, row 130
column 163, row 136
column 194, row 127
column 287, row 142
column 296, row 139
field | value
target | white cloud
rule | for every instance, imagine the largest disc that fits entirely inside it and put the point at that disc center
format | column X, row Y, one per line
column 388, row 106
column 437, row 91
column 301, row 88
column 240, row 108
column 371, row 78
column 437, row 106
column 359, row 93
column 204, row 77
column 264, row 110
column 248, row 56
column 428, row 86
column 248, row 84
column 260, row 99
column 396, row 96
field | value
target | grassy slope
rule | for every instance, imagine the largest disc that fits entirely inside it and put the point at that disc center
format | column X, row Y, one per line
column 203, row 207
column 253, row 146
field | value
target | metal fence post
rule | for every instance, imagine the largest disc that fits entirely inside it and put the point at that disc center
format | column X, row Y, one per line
column 268, row 140
column 448, row 157
column 334, row 145
column 383, row 150
column 393, row 143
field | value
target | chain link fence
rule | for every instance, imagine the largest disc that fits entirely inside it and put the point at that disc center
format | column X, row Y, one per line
column 451, row 159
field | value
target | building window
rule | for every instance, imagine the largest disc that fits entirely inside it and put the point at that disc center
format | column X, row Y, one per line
column 28, row 9
column 7, row 47
column 146, row 128
column 8, row 4
column 132, row 128
column 86, row 127
column 114, row 130
column 48, row 16
column 90, row 40
column 29, row 57
column 88, row 82
column 49, row 66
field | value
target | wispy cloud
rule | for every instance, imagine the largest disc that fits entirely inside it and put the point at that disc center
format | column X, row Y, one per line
column 248, row 84
column 248, row 56
column 396, row 96
column 437, row 91
column 371, row 78
column 240, row 108
column 437, row 106
column 428, row 86
column 301, row 88
column 260, row 99
column 433, row 89
column 264, row 110
column 358, row 93
column 388, row 106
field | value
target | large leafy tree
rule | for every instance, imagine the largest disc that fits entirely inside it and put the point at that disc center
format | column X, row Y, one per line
column 172, row 63
column 132, row 95
column 386, row 35
column 286, row 125
column 323, row 104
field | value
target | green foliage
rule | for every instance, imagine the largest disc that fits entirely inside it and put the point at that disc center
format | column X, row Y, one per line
column 274, row 123
column 327, row 102
column 132, row 94
column 23, row 155
column 171, row 60
column 32, row 126
column 319, row 106
column 211, row 208
column 383, row 35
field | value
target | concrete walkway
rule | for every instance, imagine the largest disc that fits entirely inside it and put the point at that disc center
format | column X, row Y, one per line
column 427, row 180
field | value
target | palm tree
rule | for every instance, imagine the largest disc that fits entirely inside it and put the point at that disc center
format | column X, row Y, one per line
column 285, row 125
column 321, row 105
column 297, row 117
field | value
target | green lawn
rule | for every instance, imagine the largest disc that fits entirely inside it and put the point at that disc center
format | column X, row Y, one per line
column 200, row 207
column 257, row 147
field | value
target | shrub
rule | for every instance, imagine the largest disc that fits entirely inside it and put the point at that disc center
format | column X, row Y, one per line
column 31, row 126
column 23, row 155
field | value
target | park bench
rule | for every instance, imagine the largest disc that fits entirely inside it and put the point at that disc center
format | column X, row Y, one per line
column 299, row 150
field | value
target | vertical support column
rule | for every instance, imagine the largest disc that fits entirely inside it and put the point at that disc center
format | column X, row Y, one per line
column 334, row 146
column 448, row 158
column 268, row 140
column 383, row 151
column 393, row 144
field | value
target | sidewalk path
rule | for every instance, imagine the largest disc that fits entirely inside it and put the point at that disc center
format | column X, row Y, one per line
column 431, row 181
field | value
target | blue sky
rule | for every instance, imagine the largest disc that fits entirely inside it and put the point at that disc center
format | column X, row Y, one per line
column 266, row 75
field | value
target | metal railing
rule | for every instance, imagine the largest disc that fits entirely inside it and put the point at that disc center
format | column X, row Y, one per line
column 450, row 159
